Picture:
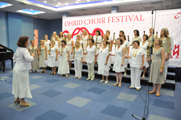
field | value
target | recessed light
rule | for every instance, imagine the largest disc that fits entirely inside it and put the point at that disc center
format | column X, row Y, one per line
column 77, row 2
column 88, row 0
column 55, row 0
column 59, row 3
column 45, row 1
column 66, row 3
column 31, row 9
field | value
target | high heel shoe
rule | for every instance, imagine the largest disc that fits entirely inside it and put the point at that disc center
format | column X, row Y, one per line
column 158, row 94
column 152, row 92
column 51, row 74
column 54, row 74
column 16, row 101
column 116, row 84
column 67, row 75
column 119, row 85
column 44, row 72
column 31, row 71
column 36, row 71
column 24, row 104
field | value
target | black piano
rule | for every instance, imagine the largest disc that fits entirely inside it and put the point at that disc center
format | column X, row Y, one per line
column 5, row 54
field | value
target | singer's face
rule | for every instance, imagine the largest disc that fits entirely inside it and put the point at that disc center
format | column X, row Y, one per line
column 33, row 42
column 97, row 33
column 121, row 33
column 135, row 44
column 42, row 42
column 135, row 33
column 156, row 42
column 162, row 32
column 90, row 42
column 144, row 37
column 27, row 43
column 122, row 37
column 104, row 43
column 53, row 43
column 46, row 36
column 107, row 32
column 118, row 42
column 69, row 36
column 78, row 37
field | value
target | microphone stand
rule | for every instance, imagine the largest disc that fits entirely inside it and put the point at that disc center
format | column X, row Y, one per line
column 147, row 99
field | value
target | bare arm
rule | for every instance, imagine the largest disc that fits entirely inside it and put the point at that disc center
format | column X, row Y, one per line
column 56, row 54
column 72, row 47
column 38, row 52
column 142, row 61
column 163, row 57
column 111, row 45
column 123, row 49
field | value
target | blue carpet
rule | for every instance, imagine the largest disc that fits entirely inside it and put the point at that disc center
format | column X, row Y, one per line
column 61, row 98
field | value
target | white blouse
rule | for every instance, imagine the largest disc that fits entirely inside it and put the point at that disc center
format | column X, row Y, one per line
column 23, row 59
column 144, row 47
column 99, row 39
column 78, row 54
column 90, row 54
column 136, row 57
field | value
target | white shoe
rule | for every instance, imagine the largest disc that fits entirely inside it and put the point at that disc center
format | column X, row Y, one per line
column 92, row 79
column 101, row 81
column 125, row 74
column 88, row 78
column 106, row 82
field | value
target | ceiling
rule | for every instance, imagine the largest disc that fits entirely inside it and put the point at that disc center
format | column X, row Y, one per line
column 145, row 5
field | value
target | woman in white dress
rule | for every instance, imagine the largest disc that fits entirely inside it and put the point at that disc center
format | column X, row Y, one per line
column 42, row 56
column 97, row 39
column 63, row 67
column 78, row 60
column 152, row 34
column 85, row 41
column 47, row 42
column 126, row 45
column 70, row 45
column 80, row 40
column 61, row 37
column 35, row 63
column 118, row 66
column 91, row 59
column 136, row 37
column 144, row 45
column 103, row 63
column 52, row 62
column 22, row 59
column 53, row 36
column 167, row 46
column 136, row 64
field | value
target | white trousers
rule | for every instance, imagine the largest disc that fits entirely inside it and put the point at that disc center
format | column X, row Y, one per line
column 78, row 68
column 90, row 70
column 166, row 68
column 135, row 77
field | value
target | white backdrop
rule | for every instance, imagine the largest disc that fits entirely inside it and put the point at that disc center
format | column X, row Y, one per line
column 129, row 21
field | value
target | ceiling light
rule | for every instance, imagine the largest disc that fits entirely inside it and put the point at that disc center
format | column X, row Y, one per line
column 88, row 0
column 30, row 11
column 66, row 3
column 59, row 3
column 55, row 0
column 45, row 1
column 3, row 4
column 77, row 2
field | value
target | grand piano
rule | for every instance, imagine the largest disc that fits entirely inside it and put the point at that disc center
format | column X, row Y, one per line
column 5, row 54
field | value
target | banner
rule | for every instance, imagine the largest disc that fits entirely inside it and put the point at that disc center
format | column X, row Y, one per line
column 128, row 22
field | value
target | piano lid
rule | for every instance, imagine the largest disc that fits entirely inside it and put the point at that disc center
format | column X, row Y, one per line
column 4, row 47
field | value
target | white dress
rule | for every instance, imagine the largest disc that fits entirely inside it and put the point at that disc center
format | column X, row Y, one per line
column 20, row 86
column 77, row 62
column 126, row 45
column 144, row 47
column 137, row 60
column 52, row 62
column 85, row 40
column 102, row 68
column 113, row 50
column 69, row 46
column 118, row 60
column 63, row 67
column 99, row 40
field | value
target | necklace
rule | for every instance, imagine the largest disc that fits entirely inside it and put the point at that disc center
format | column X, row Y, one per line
column 135, row 53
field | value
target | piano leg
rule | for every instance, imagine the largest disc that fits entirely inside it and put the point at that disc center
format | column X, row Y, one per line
column 12, row 63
